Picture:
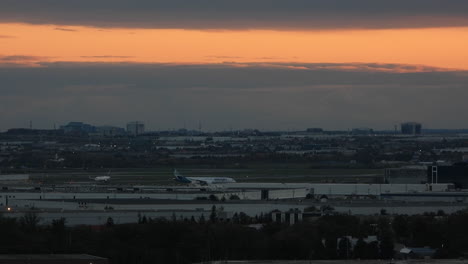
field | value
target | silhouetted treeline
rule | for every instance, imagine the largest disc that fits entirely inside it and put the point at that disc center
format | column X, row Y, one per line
column 193, row 240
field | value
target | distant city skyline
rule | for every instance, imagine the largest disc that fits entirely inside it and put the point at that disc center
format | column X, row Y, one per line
column 125, row 127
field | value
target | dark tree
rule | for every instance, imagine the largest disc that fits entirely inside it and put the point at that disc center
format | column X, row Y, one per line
column 110, row 222
column 30, row 221
column 213, row 214
column 359, row 251
column 386, row 238
column 344, row 248
column 400, row 227
column 372, row 250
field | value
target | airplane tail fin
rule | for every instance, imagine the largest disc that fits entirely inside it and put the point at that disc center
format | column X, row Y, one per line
column 178, row 177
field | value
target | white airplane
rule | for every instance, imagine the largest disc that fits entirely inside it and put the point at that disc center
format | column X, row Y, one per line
column 101, row 178
column 202, row 180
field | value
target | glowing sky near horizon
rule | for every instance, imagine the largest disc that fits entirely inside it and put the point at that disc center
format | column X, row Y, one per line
column 436, row 47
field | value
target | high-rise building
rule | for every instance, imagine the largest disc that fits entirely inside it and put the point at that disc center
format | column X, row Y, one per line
column 411, row 128
column 135, row 128
column 110, row 131
column 78, row 128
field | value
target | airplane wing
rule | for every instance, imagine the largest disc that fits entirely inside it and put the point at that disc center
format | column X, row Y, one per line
column 202, row 182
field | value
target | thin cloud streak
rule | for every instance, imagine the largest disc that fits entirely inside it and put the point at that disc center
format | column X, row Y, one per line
column 21, row 61
column 66, row 29
column 107, row 57
column 21, row 58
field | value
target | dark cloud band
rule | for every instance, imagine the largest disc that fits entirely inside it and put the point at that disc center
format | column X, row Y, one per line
column 239, row 14
column 54, row 75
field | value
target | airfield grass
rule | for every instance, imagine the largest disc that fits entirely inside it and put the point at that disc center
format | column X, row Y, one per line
column 265, row 172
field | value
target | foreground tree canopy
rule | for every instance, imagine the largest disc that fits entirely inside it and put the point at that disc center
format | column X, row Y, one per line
column 210, row 238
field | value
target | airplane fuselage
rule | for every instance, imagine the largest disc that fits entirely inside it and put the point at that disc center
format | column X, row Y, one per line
column 211, row 180
column 101, row 178
column 202, row 180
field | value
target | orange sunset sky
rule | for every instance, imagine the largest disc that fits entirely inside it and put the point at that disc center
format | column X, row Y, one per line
column 437, row 47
